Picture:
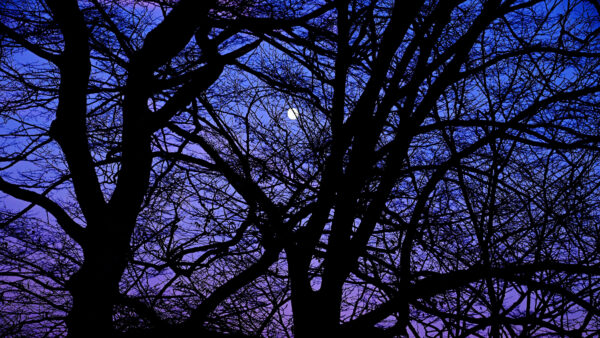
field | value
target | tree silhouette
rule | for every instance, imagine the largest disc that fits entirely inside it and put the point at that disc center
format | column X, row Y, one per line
column 439, row 178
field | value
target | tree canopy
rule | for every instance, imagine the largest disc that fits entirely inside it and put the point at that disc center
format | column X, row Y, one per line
column 299, row 168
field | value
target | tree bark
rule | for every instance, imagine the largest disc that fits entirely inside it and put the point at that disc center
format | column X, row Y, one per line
column 95, row 286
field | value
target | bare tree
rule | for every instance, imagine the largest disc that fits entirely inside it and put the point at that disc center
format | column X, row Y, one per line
column 109, row 76
column 438, row 175
column 438, row 117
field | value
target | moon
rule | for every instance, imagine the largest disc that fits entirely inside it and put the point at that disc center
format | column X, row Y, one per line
column 292, row 113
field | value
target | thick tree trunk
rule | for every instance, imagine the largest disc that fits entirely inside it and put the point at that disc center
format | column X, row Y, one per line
column 95, row 285
column 92, row 304
column 315, row 316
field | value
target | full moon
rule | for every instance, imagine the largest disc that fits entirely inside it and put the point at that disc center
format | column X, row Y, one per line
column 292, row 113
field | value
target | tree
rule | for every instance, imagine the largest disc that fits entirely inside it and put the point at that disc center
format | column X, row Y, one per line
column 440, row 177
column 108, row 59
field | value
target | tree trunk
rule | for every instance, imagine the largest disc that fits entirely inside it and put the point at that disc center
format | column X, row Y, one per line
column 95, row 285
column 315, row 316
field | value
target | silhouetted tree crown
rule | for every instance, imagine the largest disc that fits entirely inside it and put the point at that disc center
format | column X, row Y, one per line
column 299, row 168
